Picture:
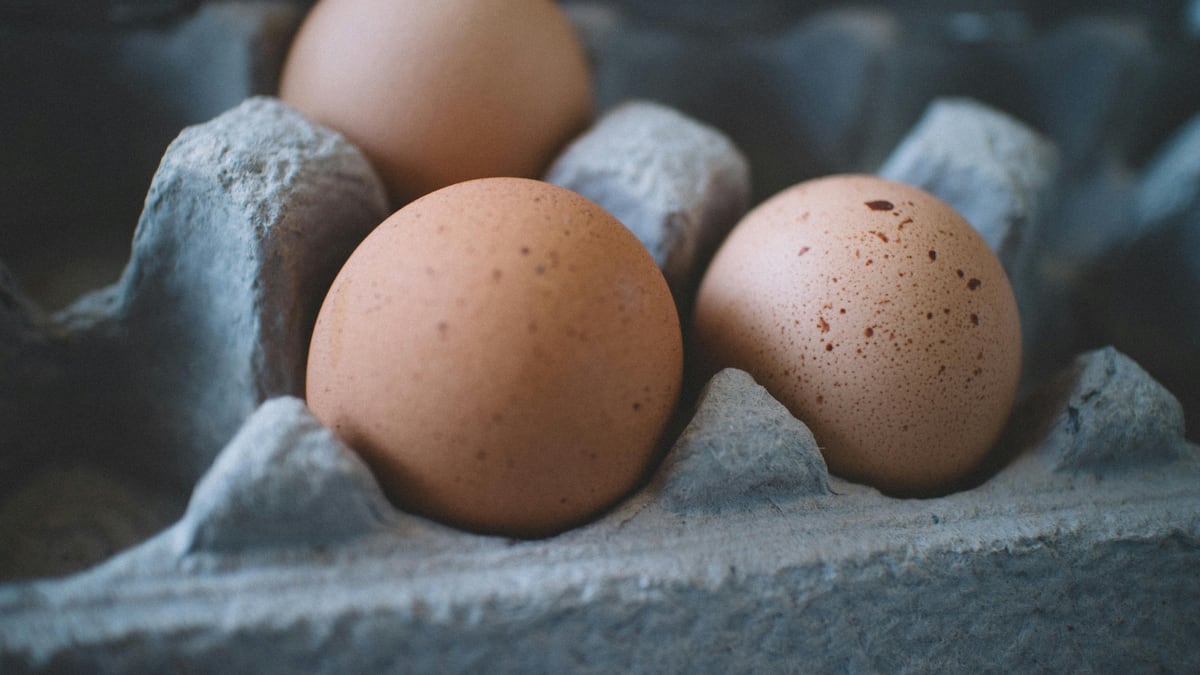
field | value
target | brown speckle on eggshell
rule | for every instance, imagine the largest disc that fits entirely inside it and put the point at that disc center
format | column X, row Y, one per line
column 909, row 383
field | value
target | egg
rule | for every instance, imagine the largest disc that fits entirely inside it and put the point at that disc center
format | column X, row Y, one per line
column 439, row 92
column 503, row 353
column 878, row 316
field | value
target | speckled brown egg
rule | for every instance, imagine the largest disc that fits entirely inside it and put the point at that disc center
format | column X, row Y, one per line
column 439, row 92
column 503, row 353
column 879, row 317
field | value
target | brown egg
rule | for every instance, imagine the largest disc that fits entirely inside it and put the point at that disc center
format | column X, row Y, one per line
column 503, row 353
column 439, row 92
column 879, row 317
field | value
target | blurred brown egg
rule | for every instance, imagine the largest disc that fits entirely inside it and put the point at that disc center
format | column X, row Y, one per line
column 439, row 92
column 879, row 317
column 503, row 353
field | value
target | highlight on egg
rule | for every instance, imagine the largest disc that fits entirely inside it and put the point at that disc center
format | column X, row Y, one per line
column 438, row 92
column 503, row 353
column 878, row 316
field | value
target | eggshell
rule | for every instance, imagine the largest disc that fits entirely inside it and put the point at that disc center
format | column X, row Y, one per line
column 879, row 317
column 503, row 353
column 438, row 92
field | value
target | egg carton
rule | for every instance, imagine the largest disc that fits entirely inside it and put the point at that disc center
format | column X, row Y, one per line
column 169, row 503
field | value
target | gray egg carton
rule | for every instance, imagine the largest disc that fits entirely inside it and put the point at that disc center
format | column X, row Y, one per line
column 168, row 503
